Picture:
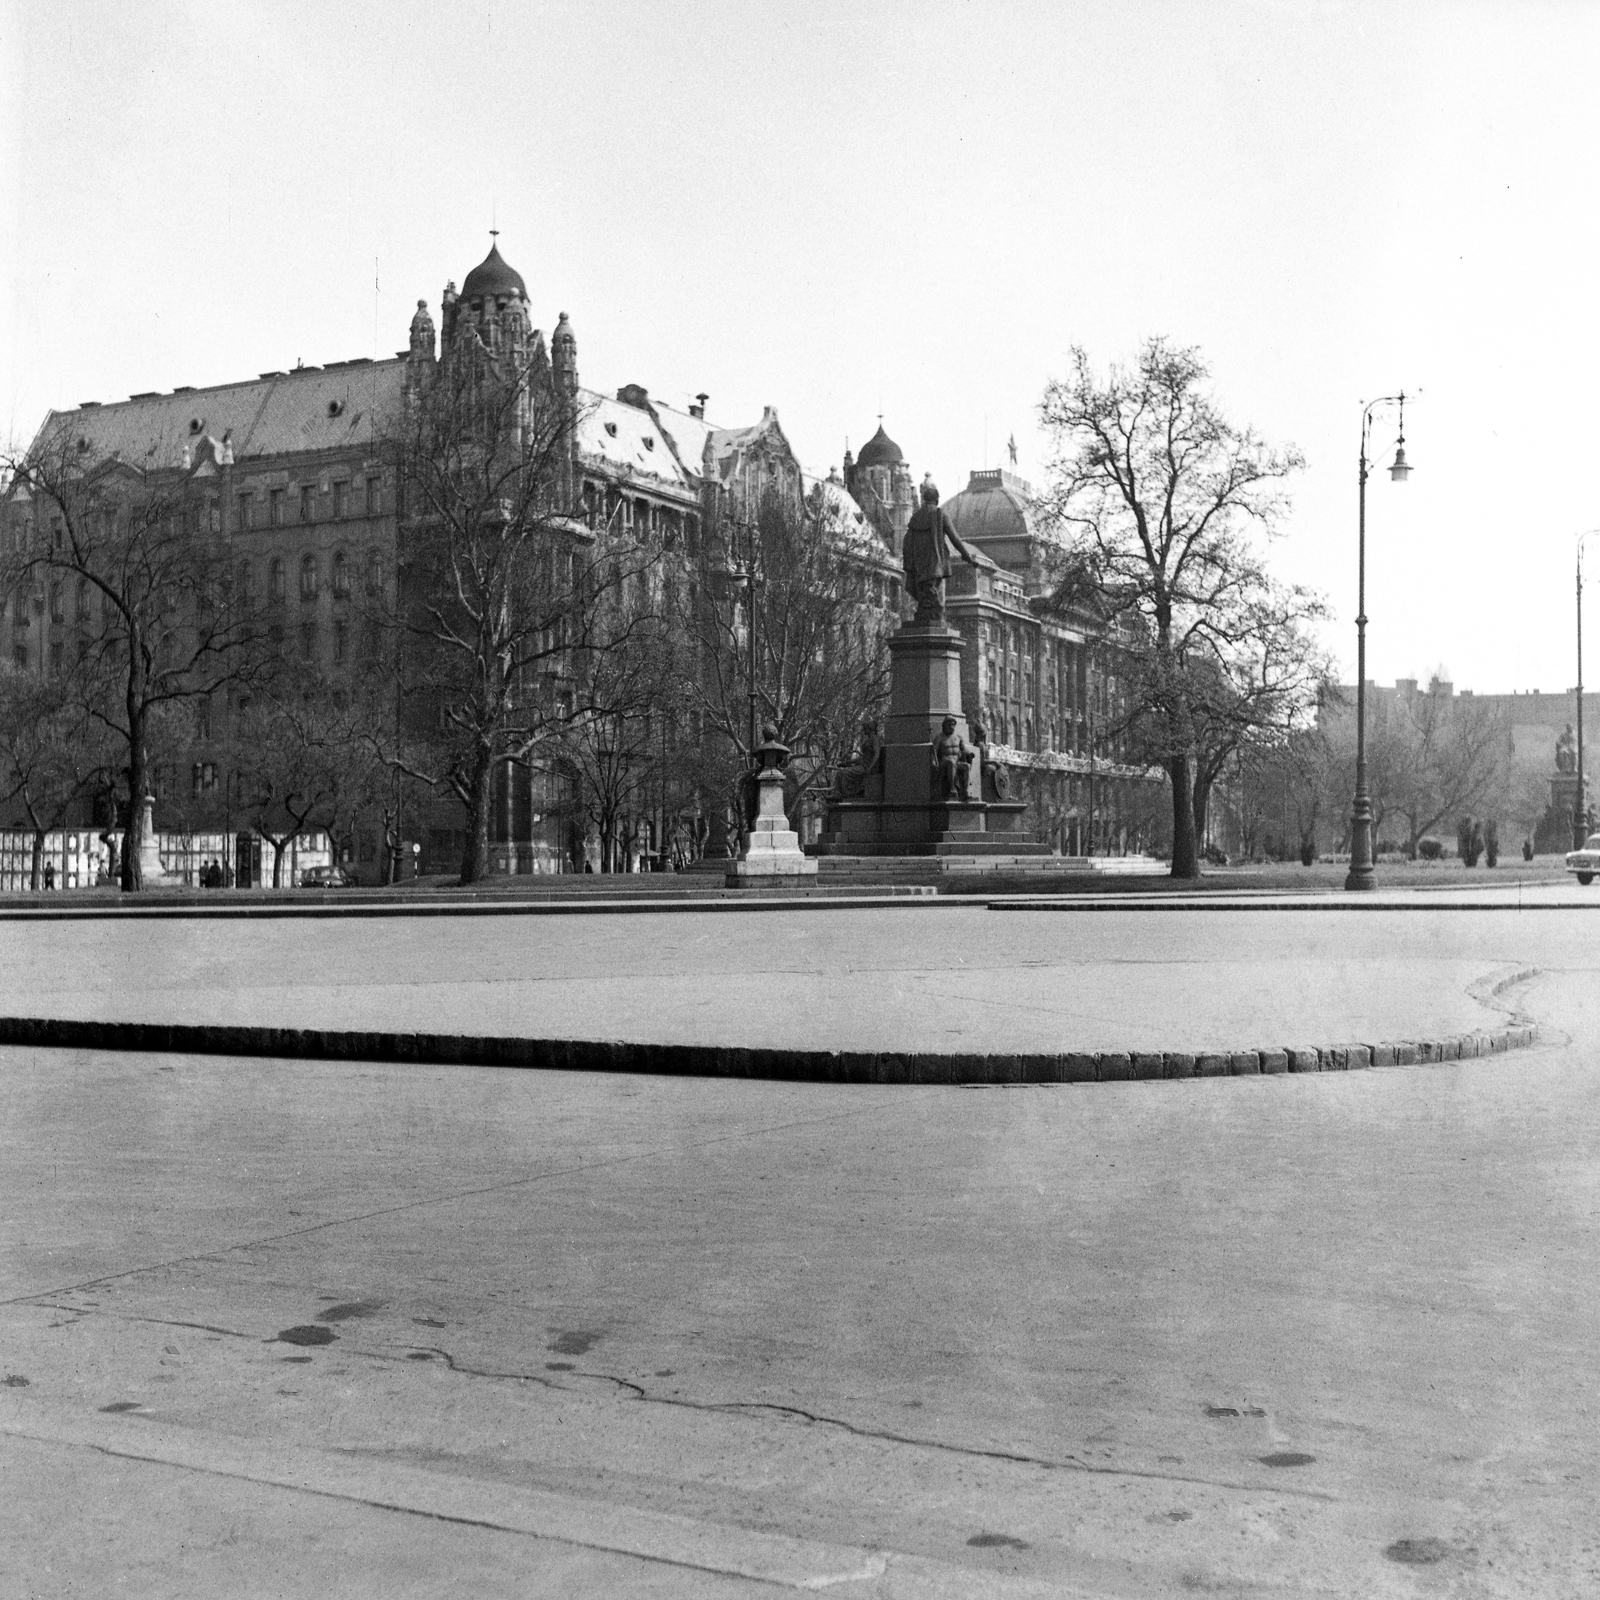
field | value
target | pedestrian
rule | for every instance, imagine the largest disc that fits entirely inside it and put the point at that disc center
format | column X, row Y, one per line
column 49, row 874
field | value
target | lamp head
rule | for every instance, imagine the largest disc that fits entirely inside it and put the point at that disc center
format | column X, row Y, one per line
column 1401, row 470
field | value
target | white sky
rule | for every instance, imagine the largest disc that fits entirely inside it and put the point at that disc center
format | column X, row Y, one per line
column 837, row 208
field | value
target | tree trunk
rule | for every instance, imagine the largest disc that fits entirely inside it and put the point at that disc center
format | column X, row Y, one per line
column 475, row 857
column 38, row 859
column 1185, row 861
column 138, row 774
column 1202, row 803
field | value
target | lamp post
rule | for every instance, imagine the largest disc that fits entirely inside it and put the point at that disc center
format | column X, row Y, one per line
column 1580, row 812
column 1360, row 875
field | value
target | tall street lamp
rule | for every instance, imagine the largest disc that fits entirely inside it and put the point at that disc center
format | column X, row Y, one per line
column 1580, row 812
column 1360, row 875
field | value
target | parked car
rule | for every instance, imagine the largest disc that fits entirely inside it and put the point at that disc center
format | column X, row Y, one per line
column 1585, row 862
column 328, row 878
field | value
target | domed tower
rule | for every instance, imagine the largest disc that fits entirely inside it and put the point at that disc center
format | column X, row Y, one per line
column 493, row 305
column 880, row 480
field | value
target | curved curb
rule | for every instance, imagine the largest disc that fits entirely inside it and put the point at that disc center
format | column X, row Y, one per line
column 718, row 1061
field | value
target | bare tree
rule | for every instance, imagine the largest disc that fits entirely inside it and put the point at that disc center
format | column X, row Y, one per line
column 820, row 662
column 505, row 588
column 1160, row 494
column 52, row 753
column 139, row 555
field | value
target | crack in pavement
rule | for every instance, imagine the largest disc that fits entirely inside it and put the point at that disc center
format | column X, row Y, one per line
column 1068, row 1463
column 218, row 1253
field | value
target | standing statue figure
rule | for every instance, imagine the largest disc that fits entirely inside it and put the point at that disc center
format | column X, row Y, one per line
column 952, row 760
column 1566, row 751
column 929, row 539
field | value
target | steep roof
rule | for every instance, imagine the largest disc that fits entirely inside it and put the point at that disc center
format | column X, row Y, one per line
column 628, row 441
column 279, row 413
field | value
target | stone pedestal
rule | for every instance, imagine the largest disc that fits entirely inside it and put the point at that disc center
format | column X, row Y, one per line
column 151, row 871
column 913, row 817
column 771, row 848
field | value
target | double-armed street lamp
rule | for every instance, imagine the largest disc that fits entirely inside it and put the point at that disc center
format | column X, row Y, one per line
column 1360, row 875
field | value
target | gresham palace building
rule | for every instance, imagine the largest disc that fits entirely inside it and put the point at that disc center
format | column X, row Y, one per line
column 290, row 468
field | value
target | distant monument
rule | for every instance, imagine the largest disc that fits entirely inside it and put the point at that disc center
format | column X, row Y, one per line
column 1554, row 832
column 921, row 790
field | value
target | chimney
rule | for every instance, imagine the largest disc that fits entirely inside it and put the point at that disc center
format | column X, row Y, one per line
column 698, row 409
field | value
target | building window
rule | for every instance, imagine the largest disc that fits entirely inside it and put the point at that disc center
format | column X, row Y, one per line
column 55, row 659
column 275, row 507
column 83, row 600
column 374, row 496
column 341, row 576
column 202, row 718
column 19, row 657
column 275, row 635
column 374, row 572
column 308, row 641
column 275, row 581
column 305, row 502
column 55, row 602
column 308, row 578
column 338, row 500
column 341, row 633
column 244, row 513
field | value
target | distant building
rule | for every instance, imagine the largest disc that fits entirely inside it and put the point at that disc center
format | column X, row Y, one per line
column 1040, row 675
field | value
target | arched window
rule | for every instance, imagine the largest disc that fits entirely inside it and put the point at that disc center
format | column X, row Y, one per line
column 83, row 599
column 275, row 581
column 374, row 571
column 308, row 577
column 341, row 576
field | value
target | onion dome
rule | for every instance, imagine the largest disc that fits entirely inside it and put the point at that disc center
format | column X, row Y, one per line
column 492, row 277
column 880, row 451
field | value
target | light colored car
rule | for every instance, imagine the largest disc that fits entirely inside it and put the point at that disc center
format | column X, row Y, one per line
column 1585, row 862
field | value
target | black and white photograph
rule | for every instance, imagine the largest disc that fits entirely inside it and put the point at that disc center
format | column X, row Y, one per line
column 793, row 799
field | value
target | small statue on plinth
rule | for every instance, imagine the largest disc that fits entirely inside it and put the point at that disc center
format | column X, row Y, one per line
column 926, row 553
column 994, row 782
column 771, row 848
column 952, row 760
column 1566, row 751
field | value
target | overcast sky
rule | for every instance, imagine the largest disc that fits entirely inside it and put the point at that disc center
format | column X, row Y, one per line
column 837, row 209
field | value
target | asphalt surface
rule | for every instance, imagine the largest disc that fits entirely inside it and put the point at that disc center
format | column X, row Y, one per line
column 307, row 1328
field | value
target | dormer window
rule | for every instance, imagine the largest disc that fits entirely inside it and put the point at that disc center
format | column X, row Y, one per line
column 196, row 424
column 649, row 442
column 611, row 428
column 335, row 407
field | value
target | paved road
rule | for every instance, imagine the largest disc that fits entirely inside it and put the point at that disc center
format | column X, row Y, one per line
column 302, row 1328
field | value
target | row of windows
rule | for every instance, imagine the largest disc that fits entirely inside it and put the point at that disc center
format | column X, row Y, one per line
column 341, row 573
column 340, row 493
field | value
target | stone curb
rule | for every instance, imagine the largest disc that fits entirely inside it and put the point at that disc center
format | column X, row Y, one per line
column 720, row 1061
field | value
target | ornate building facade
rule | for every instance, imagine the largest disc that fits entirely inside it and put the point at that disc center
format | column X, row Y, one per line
column 290, row 469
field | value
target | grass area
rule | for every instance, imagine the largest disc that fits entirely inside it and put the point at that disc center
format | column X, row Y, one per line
column 1449, row 874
